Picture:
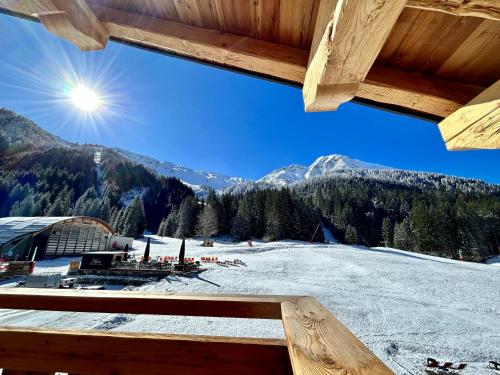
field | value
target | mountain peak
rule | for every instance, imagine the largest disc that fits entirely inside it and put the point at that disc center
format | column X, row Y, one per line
column 322, row 166
column 328, row 164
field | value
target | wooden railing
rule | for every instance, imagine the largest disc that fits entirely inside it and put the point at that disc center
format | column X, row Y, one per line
column 316, row 342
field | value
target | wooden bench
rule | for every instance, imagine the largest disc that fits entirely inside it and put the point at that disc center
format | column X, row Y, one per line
column 316, row 342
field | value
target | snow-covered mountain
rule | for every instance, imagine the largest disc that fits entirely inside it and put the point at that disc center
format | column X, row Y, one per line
column 199, row 181
column 322, row 166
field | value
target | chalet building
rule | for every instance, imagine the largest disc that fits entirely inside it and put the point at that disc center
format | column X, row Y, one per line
column 25, row 238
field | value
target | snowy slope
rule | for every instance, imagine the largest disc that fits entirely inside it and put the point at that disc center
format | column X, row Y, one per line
column 404, row 306
column 285, row 176
column 198, row 180
column 326, row 165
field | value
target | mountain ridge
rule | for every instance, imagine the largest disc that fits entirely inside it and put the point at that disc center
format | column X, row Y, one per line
column 19, row 130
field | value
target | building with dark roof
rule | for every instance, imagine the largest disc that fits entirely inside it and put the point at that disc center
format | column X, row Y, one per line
column 26, row 238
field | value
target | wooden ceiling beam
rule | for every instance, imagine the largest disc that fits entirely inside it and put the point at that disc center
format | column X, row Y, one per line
column 489, row 9
column 418, row 92
column 74, row 21
column 206, row 45
column 348, row 37
column 476, row 125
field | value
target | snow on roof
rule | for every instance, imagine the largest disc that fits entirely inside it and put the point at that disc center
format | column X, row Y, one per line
column 13, row 227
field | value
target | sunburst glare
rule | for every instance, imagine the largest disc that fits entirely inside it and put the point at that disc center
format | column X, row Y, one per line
column 84, row 91
column 84, row 98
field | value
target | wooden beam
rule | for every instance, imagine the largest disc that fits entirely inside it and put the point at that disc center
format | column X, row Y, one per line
column 348, row 37
column 419, row 92
column 94, row 352
column 215, row 305
column 227, row 50
column 476, row 125
column 489, row 9
column 75, row 22
column 318, row 343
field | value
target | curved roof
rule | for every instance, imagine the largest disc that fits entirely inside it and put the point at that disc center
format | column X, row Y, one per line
column 15, row 226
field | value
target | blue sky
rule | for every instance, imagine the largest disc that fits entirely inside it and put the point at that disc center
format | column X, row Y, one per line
column 206, row 118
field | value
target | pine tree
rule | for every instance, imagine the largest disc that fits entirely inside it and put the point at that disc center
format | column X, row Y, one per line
column 351, row 235
column 388, row 232
column 135, row 218
column 208, row 223
column 242, row 229
column 104, row 210
column 112, row 216
column 403, row 237
column 118, row 224
column 186, row 218
column 171, row 224
column 161, row 228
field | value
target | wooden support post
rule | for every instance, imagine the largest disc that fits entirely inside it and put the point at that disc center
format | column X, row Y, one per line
column 75, row 22
column 348, row 37
column 489, row 9
column 477, row 124
column 320, row 344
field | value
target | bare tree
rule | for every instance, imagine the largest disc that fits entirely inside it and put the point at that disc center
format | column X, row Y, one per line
column 207, row 225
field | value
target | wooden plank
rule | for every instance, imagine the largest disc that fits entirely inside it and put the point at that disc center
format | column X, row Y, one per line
column 231, row 306
column 338, row 61
column 476, row 125
column 75, row 22
column 318, row 343
column 211, row 46
column 94, row 352
column 477, row 59
column 420, row 92
column 421, row 41
column 296, row 22
column 476, row 8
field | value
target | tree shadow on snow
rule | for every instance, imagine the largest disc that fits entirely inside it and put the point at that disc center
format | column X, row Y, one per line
column 207, row 281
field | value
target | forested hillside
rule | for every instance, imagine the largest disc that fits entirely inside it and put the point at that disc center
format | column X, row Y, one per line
column 41, row 175
column 422, row 212
column 452, row 217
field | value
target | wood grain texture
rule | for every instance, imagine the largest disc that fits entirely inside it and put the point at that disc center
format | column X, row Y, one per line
column 476, row 8
column 320, row 344
column 477, row 124
column 462, row 49
column 211, row 46
column 231, row 306
column 94, row 352
column 338, row 62
column 477, row 59
column 420, row 92
column 75, row 22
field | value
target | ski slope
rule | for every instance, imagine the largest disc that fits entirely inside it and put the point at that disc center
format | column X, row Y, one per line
column 403, row 306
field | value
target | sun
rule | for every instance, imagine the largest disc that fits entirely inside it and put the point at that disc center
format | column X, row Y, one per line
column 84, row 98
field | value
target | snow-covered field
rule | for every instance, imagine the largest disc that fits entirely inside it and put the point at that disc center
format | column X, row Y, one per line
column 403, row 306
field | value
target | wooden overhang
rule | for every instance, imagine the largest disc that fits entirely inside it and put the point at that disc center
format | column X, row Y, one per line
column 437, row 59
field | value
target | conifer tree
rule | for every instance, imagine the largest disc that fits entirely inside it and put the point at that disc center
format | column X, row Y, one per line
column 135, row 218
column 351, row 235
column 186, row 218
column 171, row 224
column 388, row 232
column 242, row 229
column 161, row 228
column 118, row 224
column 403, row 237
